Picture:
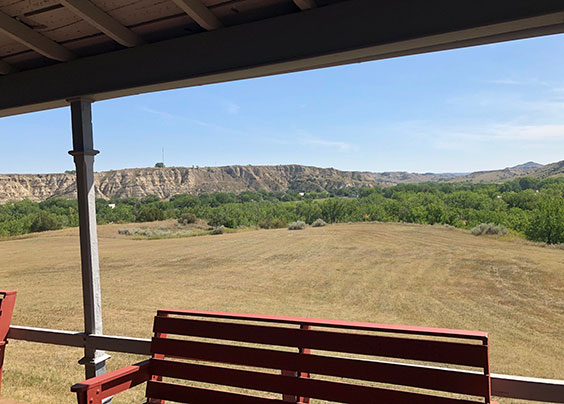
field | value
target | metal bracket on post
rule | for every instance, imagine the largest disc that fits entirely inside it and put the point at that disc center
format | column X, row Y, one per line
column 83, row 153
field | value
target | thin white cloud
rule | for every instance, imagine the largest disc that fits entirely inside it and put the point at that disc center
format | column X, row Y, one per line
column 340, row 146
column 232, row 108
column 548, row 108
column 463, row 138
column 168, row 117
column 521, row 82
column 527, row 132
column 453, row 145
column 505, row 82
column 162, row 114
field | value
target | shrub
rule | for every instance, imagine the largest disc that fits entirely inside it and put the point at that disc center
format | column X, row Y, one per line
column 44, row 221
column 319, row 223
column 187, row 218
column 299, row 225
column 146, row 232
column 489, row 229
column 273, row 223
column 218, row 230
column 149, row 214
column 133, row 231
column 219, row 218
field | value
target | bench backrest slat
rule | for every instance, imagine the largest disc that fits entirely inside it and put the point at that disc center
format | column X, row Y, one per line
column 318, row 389
column 455, row 353
column 324, row 365
column 196, row 395
column 277, row 357
column 348, row 325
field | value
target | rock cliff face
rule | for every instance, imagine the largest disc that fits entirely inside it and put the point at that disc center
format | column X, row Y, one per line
column 167, row 182
column 170, row 181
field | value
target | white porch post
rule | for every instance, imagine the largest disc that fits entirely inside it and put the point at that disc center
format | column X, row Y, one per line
column 83, row 153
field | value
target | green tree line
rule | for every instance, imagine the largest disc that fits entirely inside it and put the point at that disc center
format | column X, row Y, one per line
column 529, row 206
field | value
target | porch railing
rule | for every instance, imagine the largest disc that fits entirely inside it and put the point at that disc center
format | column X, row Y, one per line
column 517, row 387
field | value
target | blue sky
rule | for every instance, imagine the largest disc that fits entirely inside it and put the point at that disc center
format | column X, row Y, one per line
column 463, row 110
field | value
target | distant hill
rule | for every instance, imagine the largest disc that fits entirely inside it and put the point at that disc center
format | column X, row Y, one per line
column 529, row 165
column 550, row 170
column 167, row 182
column 529, row 169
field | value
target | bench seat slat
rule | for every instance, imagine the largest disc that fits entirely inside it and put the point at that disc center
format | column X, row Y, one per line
column 196, row 395
column 350, row 325
column 438, row 379
column 303, row 387
column 394, row 347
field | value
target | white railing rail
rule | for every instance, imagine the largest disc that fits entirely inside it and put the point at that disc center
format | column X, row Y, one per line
column 517, row 387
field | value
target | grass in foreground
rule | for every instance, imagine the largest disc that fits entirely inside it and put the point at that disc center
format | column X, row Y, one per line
column 388, row 273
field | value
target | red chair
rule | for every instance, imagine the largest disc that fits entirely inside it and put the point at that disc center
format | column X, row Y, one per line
column 7, row 302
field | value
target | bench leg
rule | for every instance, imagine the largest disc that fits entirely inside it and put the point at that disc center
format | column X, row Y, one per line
column 287, row 397
column 2, row 349
column 155, row 400
column 290, row 398
column 158, row 379
column 305, row 375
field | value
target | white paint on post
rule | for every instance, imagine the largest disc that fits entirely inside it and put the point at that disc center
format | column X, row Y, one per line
column 83, row 153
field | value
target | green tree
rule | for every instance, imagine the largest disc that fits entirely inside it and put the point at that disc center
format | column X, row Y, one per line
column 149, row 213
column 547, row 223
column 44, row 221
column 333, row 210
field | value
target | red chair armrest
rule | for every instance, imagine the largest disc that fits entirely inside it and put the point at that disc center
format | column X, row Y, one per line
column 93, row 391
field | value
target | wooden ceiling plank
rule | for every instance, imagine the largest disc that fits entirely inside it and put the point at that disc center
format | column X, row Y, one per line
column 305, row 4
column 6, row 68
column 199, row 13
column 33, row 40
column 104, row 22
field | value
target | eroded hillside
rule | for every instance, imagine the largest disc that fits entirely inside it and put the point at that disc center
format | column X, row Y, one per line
column 166, row 182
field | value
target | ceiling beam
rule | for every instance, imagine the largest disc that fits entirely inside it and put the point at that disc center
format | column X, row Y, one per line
column 6, row 68
column 199, row 13
column 103, row 21
column 33, row 40
column 305, row 4
column 368, row 30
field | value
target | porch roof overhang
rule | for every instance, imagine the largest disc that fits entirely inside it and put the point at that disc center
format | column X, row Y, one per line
column 195, row 42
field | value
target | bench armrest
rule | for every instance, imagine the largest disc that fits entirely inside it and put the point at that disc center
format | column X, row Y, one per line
column 93, row 391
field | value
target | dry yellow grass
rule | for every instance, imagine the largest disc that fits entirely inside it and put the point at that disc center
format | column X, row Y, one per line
column 388, row 273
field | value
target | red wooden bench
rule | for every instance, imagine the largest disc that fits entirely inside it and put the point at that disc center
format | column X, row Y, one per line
column 7, row 302
column 295, row 359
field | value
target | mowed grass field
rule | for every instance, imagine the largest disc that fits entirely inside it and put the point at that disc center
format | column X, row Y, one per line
column 387, row 273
